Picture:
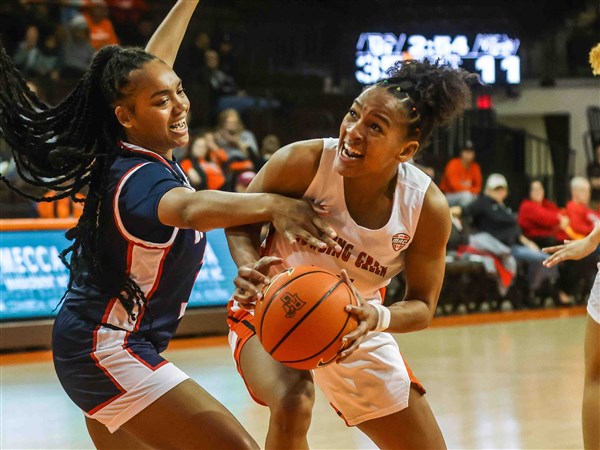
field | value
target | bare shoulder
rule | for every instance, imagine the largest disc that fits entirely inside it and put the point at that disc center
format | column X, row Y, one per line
column 435, row 202
column 435, row 222
column 290, row 170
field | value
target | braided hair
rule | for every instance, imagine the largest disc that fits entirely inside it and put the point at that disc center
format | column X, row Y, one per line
column 69, row 146
column 430, row 93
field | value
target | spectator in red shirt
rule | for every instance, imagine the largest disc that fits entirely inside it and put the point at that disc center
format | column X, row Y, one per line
column 582, row 220
column 539, row 218
column 581, row 216
column 462, row 179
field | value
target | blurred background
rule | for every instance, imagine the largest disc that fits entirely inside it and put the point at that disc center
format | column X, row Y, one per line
column 261, row 74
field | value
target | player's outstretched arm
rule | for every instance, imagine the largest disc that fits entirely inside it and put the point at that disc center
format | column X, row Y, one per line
column 207, row 210
column 289, row 172
column 573, row 249
column 165, row 41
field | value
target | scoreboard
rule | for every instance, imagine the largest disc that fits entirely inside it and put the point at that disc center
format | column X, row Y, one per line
column 494, row 57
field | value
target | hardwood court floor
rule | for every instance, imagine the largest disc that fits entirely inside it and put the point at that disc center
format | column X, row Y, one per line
column 498, row 385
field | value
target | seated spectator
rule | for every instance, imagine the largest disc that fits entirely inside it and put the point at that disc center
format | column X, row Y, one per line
column 226, row 51
column 102, row 31
column 582, row 218
column 542, row 221
column 461, row 181
column 221, row 85
column 234, row 138
column 481, row 247
column 593, row 174
column 202, row 164
column 225, row 93
column 34, row 60
column 491, row 216
column 539, row 218
column 77, row 51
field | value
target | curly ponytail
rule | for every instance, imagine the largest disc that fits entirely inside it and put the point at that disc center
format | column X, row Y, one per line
column 432, row 94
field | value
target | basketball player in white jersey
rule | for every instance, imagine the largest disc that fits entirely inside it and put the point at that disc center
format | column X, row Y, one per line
column 591, row 389
column 389, row 217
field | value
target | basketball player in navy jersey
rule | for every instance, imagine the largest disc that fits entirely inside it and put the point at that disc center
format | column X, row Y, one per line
column 140, row 241
column 388, row 217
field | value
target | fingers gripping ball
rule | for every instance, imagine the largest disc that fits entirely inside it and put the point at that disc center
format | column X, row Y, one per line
column 301, row 319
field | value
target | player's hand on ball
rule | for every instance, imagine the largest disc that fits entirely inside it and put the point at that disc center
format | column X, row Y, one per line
column 367, row 316
column 300, row 219
column 251, row 279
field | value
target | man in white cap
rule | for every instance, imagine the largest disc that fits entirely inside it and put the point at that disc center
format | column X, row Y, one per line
column 490, row 215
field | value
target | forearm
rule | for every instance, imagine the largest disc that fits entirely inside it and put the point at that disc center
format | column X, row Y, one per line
column 209, row 209
column 167, row 38
column 243, row 244
column 409, row 315
column 594, row 236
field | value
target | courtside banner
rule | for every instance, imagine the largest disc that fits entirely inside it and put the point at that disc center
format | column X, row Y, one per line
column 33, row 278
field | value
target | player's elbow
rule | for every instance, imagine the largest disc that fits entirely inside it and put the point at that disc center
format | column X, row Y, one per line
column 427, row 313
column 187, row 216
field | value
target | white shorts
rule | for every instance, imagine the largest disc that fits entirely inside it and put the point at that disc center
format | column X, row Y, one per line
column 593, row 306
column 373, row 382
column 139, row 393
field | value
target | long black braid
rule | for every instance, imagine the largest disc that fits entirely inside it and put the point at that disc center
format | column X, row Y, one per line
column 431, row 94
column 70, row 146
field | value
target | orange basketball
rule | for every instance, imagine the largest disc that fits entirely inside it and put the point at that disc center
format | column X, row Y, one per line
column 301, row 319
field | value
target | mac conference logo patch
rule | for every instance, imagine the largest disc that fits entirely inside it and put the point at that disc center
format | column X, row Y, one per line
column 399, row 241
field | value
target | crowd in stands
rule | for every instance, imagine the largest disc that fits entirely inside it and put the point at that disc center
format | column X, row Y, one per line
column 507, row 245
column 52, row 43
column 60, row 39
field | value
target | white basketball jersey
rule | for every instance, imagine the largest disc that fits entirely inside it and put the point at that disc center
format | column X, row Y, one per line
column 371, row 257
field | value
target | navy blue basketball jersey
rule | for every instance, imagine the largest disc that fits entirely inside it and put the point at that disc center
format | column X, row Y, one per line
column 93, row 328
column 163, row 261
